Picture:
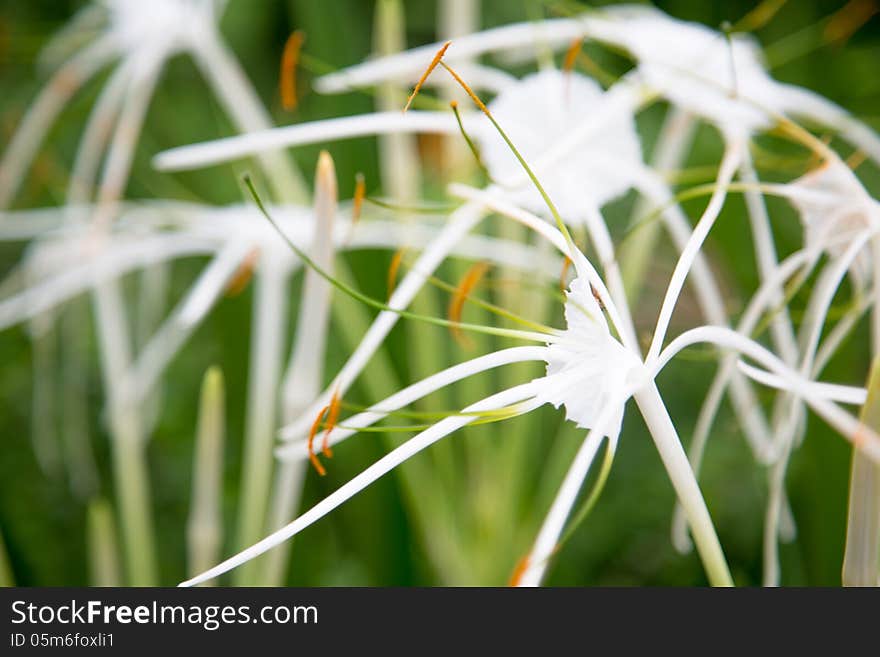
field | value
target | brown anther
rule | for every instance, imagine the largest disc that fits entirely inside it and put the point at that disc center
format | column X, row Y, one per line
column 289, row 62
column 314, row 430
column 427, row 72
column 332, row 417
column 467, row 283
column 242, row 276
column 571, row 54
column 464, row 85
column 847, row 21
column 598, row 298
column 393, row 268
column 357, row 204
column 518, row 571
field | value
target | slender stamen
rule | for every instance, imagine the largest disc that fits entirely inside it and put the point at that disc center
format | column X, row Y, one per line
column 759, row 16
column 471, row 145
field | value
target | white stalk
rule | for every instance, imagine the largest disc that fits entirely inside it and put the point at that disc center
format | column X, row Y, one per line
column 104, row 566
column 817, row 311
column 266, row 353
column 765, row 252
column 79, row 457
column 304, row 376
column 44, row 402
column 204, row 529
column 685, row 483
column 129, row 465
column 670, row 152
column 861, row 559
column 130, row 468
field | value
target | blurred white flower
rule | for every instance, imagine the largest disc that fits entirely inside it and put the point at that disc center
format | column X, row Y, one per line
column 541, row 110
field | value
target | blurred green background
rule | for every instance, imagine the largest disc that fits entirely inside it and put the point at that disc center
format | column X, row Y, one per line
column 372, row 540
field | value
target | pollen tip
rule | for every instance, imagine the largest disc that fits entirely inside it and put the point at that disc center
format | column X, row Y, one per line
column 357, row 203
column 330, row 424
column 313, row 458
column 518, row 571
column 393, row 268
column 289, row 61
column 571, row 54
column 437, row 58
column 467, row 283
column 243, row 275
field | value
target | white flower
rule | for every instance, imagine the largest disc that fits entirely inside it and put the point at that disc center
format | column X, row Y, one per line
column 591, row 375
column 587, row 369
column 173, row 25
column 835, row 210
column 699, row 69
column 541, row 110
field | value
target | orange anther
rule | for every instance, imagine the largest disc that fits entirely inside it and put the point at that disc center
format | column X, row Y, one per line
column 332, row 417
column 242, row 276
column 357, row 203
column 393, row 268
column 467, row 283
column 519, row 570
column 427, row 72
column 289, row 61
column 314, row 430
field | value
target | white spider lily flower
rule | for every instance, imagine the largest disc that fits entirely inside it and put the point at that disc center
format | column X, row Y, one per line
column 541, row 110
column 706, row 73
column 611, row 371
column 587, row 369
column 142, row 36
column 837, row 215
column 572, row 370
